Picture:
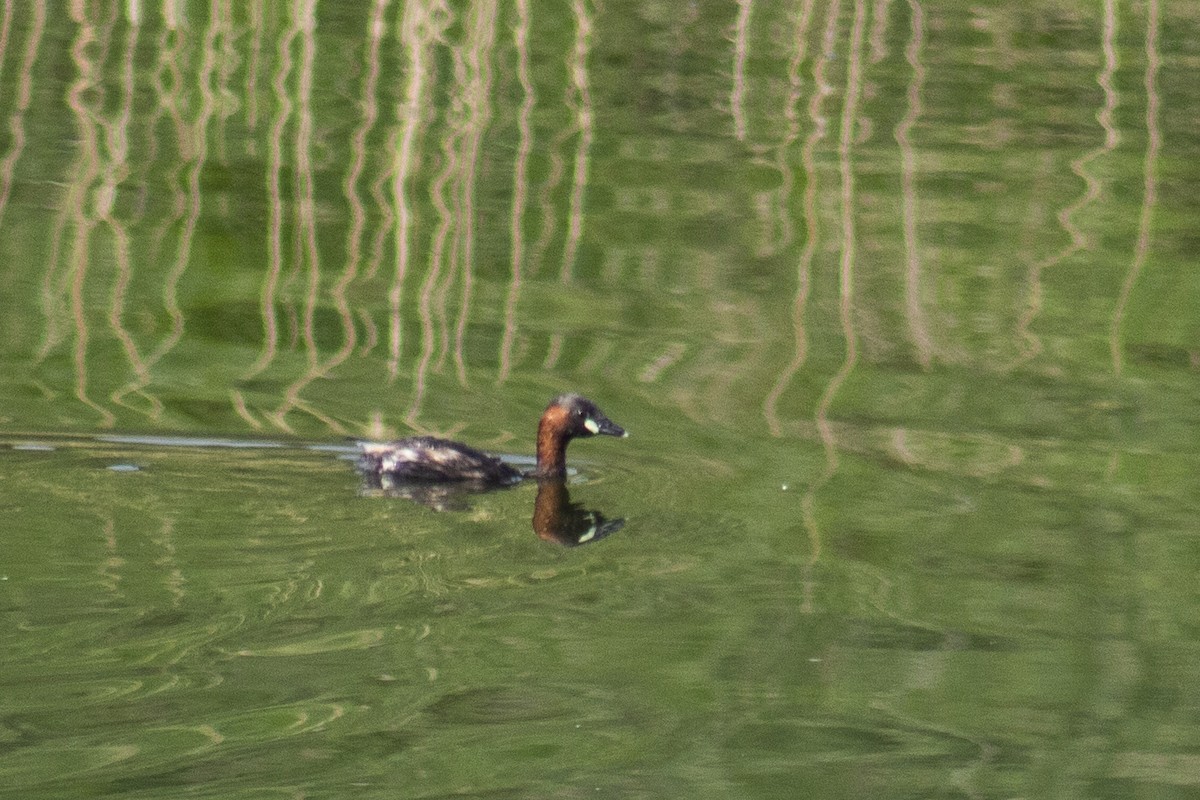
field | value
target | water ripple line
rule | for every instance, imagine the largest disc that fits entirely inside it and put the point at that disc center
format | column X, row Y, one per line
column 227, row 64
column 914, row 312
column 303, row 194
column 193, row 143
column 779, row 228
column 5, row 28
column 16, row 120
column 849, row 118
column 117, row 172
column 431, row 300
column 256, row 29
column 825, row 430
column 741, row 53
column 422, row 24
column 480, row 44
column 307, row 250
column 81, row 100
column 1149, row 188
column 820, row 125
column 453, row 139
column 520, row 190
column 382, row 207
column 579, row 99
column 878, row 37
column 268, row 294
column 354, row 238
column 1093, row 189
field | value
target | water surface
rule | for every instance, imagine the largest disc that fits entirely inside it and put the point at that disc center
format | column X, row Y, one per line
column 896, row 300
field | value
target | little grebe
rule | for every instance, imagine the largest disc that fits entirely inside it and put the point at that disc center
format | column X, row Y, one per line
column 431, row 460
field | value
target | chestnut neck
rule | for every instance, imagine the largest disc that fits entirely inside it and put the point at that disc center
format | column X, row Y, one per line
column 552, row 444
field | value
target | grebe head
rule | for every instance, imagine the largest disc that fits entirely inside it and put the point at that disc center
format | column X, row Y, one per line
column 568, row 416
column 575, row 416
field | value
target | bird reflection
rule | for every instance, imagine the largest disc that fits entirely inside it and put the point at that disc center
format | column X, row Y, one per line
column 435, row 496
column 555, row 517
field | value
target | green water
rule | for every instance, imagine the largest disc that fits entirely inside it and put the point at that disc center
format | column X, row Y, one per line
column 897, row 300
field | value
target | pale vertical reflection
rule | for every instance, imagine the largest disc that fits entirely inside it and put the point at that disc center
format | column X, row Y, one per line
column 778, row 203
column 1031, row 344
column 193, row 147
column 1112, row 136
column 452, row 194
column 580, row 99
column 5, row 26
column 171, row 14
column 849, row 241
column 256, row 31
column 383, row 206
column 426, row 299
column 878, row 37
column 553, row 351
column 520, row 188
column 227, row 65
column 16, row 119
column 480, row 43
column 846, row 266
column 382, row 175
column 305, row 220
column 275, row 204
column 306, row 229
column 546, row 195
column 81, row 178
column 1149, row 186
column 368, row 102
column 667, row 359
column 116, row 171
column 370, row 333
column 168, row 562
column 741, row 49
column 421, row 25
column 182, row 212
column 110, row 570
column 914, row 312
column 821, row 90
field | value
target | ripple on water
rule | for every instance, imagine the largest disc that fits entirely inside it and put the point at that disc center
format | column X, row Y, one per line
column 347, row 640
